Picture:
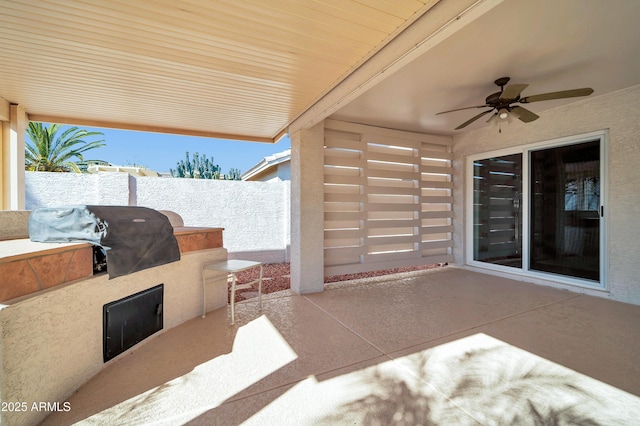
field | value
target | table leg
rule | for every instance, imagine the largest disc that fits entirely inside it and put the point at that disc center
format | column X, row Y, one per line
column 204, row 295
column 260, row 288
column 233, row 298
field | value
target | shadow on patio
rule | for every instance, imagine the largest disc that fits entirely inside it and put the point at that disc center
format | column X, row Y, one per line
column 445, row 347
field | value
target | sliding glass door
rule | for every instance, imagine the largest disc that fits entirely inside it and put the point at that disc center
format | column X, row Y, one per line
column 565, row 204
column 539, row 209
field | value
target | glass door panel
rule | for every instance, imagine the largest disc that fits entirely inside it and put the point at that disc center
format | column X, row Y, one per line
column 497, row 221
column 565, row 201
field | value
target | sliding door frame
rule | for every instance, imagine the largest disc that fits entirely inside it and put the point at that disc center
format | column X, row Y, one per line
column 525, row 151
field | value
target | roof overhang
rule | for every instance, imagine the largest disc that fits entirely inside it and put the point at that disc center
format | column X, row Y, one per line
column 550, row 45
column 234, row 70
column 255, row 71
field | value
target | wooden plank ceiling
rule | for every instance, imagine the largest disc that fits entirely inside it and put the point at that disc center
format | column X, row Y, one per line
column 226, row 68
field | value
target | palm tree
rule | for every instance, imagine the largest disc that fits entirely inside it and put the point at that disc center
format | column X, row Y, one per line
column 49, row 152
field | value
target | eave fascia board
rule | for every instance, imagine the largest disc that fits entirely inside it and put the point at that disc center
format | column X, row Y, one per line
column 147, row 128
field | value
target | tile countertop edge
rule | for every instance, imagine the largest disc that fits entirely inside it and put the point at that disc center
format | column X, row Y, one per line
column 185, row 230
column 12, row 250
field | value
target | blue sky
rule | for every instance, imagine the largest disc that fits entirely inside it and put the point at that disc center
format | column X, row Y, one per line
column 161, row 152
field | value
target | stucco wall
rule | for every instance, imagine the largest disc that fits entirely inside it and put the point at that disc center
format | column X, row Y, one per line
column 14, row 224
column 59, row 189
column 307, row 233
column 617, row 112
column 255, row 215
column 52, row 341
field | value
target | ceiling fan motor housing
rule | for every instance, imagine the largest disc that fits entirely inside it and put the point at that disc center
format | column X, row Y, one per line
column 502, row 81
column 493, row 100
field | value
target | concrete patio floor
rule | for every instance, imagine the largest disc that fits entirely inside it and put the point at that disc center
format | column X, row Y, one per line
column 447, row 346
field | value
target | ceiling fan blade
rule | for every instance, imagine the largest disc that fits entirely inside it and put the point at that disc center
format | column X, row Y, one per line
column 512, row 91
column 460, row 109
column 524, row 114
column 574, row 93
column 466, row 123
column 494, row 117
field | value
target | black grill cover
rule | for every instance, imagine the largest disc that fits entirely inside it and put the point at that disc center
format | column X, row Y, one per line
column 134, row 238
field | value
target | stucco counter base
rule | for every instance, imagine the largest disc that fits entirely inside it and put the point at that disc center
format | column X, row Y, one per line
column 52, row 338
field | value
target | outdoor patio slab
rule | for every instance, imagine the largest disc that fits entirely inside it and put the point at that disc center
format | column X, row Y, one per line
column 496, row 383
column 361, row 395
column 591, row 335
column 319, row 342
column 206, row 362
column 332, row 358
column 403, row 313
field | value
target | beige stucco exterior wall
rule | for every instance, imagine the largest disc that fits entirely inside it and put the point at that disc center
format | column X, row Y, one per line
column 307, row 210
column 617, row 112
column 14, row 224
column 52, row 341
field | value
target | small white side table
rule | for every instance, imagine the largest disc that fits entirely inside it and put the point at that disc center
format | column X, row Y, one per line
column 231, row 268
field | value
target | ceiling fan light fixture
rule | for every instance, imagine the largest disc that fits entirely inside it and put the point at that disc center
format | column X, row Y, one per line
column 499, row 103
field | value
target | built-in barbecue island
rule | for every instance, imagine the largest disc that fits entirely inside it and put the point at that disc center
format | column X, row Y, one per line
column 60, row 308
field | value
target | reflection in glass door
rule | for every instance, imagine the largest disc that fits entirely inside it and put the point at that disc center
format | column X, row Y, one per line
column 497, row 221
column 565, row 203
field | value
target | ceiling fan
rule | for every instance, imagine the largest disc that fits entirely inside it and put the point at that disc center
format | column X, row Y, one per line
column 501, row 102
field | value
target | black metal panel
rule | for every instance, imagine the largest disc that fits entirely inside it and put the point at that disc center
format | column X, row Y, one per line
column 128, row 321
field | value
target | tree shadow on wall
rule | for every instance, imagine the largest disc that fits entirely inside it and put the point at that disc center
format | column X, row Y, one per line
column 501, row 385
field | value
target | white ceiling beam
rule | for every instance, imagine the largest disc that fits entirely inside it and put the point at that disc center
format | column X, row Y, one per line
column 435, row 26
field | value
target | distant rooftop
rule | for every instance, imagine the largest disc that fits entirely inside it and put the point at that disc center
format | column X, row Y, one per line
column 266, row 164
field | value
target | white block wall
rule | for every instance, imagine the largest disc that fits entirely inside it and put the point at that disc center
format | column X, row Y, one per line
column 255, row 215
column 44, row 189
